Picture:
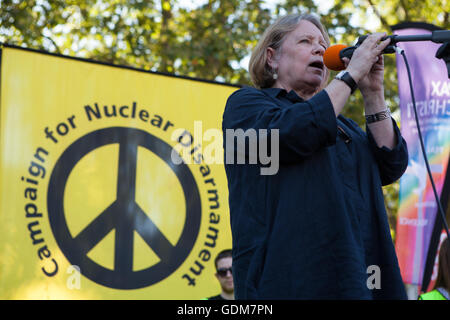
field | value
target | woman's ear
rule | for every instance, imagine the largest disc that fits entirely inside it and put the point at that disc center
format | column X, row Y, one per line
column 271, row 58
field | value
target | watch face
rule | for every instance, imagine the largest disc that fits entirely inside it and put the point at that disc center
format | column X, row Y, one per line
column 340, row 74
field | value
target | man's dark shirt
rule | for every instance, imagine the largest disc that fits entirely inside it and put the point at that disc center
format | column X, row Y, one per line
column 312, row 230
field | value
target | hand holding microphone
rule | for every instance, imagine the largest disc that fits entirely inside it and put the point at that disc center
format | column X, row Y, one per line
column 363, row 57
column 368, row 61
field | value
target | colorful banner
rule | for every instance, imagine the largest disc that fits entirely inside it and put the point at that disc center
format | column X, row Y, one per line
column 418, row 208
column 93, row 202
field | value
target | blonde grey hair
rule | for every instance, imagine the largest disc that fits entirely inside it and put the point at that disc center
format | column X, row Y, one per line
column 261, row 73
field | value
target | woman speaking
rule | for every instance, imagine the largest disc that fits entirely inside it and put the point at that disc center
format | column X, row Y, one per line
column 317, row 229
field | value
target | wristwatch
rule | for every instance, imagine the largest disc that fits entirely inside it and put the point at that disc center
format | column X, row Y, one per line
column 347, row 78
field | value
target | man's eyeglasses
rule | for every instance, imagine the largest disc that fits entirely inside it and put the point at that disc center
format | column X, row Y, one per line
column 222, row 272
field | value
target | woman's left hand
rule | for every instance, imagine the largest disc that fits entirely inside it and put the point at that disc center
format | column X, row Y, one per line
column 372, row 83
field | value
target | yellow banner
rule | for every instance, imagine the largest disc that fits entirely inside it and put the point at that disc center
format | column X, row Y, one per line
column 95, row 202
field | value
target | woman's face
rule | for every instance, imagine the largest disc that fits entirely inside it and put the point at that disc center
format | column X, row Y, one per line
column 299, row 61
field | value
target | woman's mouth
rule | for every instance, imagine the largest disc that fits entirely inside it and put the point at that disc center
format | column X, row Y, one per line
column 317, row 65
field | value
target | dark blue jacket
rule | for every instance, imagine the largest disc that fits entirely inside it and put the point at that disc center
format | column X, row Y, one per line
column 312, row 230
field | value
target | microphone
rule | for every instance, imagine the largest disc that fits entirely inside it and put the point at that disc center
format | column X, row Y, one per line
column 333, row 55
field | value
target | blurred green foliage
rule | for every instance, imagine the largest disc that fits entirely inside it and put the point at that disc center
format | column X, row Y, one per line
column 209, row 39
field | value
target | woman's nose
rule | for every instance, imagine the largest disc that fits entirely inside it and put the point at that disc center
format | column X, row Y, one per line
column 319, row 49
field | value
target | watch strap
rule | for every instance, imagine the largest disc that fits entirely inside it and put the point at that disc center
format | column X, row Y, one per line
column 347, row 78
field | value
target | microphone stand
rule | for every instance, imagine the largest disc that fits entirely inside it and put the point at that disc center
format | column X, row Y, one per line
column 444, row 54
column 437, row 36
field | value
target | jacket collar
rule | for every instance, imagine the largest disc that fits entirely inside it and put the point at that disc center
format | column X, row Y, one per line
column 278, row 92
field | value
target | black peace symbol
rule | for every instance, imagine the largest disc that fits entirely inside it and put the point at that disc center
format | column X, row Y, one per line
column 124, row 214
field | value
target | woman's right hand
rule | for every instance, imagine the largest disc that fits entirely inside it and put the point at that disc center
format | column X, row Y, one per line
column 366, row 55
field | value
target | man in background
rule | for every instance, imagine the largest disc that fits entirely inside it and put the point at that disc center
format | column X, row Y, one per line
column 223, row 263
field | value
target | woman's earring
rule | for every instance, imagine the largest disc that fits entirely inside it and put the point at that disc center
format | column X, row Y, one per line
column 275, row 75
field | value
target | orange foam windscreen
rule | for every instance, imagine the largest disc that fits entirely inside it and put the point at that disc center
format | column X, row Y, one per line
column 331, row 57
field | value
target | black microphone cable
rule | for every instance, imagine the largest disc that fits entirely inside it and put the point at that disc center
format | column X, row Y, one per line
column 440, row 209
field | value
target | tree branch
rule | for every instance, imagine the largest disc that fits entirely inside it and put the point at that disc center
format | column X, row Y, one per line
column 382, row 19
column 54, row 43
column 165, row 34
column 405, row 10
